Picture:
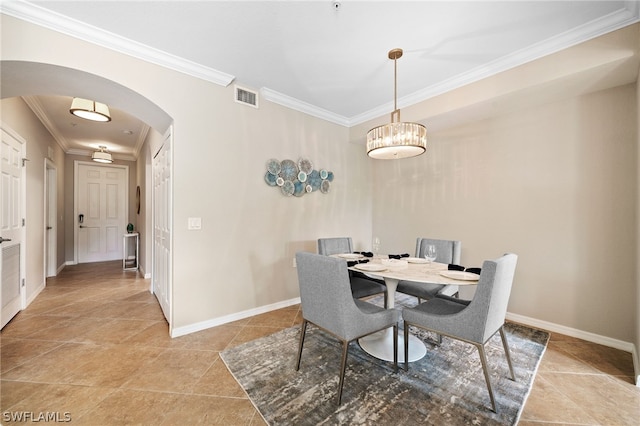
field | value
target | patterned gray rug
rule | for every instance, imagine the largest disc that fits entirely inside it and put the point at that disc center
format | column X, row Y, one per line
column 446, row 387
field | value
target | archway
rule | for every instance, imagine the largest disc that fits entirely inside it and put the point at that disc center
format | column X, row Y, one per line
column 24, row 78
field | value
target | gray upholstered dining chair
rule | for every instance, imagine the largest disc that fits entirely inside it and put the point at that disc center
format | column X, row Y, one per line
column 327, row 303
column 474, row 321
column 361, row 285
column 446, row 252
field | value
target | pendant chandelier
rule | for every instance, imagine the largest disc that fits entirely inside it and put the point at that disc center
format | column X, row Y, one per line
column 396, row 139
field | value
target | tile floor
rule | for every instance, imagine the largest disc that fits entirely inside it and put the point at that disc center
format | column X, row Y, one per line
column 94, row 347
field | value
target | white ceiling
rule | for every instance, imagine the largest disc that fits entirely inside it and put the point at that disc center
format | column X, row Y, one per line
column 326, row 58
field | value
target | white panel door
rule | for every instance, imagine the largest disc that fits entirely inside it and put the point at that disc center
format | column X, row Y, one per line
column 50, row 217
column 162, row 227
column 101, row 211
column 11, row 226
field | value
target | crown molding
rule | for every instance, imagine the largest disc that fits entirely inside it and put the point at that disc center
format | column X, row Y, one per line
column 35, row 105
column 88, row 152
column 627, row 15
column 140, row 141
column 80, row 30
column 298, row 105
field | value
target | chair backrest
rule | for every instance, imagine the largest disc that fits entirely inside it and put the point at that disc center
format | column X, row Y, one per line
column 329, row 246
column 488, row 308
column 446, row 251
column 325, row 292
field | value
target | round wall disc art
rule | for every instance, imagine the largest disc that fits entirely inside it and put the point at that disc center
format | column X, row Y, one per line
column 297, row 178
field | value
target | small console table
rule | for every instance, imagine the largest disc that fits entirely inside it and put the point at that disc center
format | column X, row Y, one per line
column 130, row 261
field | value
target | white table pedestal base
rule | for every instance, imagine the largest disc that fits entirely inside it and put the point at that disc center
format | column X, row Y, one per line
column 380, row 345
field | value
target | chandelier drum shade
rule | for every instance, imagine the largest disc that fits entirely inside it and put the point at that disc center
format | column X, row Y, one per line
column 102, row 156
column 90, row 110
column 396, row 139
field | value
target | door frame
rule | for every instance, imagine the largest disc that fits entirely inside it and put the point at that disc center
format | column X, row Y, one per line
column 50, row 244
column 76, row 164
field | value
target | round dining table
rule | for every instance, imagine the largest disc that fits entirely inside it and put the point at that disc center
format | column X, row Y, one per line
column 380, row 344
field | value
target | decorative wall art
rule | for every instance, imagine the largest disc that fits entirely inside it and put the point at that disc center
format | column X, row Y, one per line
column 297, row 178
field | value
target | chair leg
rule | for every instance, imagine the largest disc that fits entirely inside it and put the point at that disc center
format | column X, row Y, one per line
column 343, row 367
column 386, row 302
column 485, row 368
column 406, row 346
column 303, row 330
column 506, row 351
column 395, row 348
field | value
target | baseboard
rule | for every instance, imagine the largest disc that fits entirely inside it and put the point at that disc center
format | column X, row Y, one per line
column 146, row 275
column 584, row 335
column 192, row 328
column 60, row 268
column 70, row 262
column 35, row 294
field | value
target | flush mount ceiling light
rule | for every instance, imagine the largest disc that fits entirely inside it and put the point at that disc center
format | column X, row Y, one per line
column 90, row 110
column 396, row 139
column 102, row 156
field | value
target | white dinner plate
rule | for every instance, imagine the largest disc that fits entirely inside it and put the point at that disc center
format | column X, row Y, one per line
column 350, row 255
column 370, row 267
column 416, row 260
column 460, row 275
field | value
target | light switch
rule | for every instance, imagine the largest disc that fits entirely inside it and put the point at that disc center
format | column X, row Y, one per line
column 194, row 223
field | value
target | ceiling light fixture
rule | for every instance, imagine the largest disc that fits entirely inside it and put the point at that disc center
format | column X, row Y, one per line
column 102, row 156
column 90, row 110
column 396, row 139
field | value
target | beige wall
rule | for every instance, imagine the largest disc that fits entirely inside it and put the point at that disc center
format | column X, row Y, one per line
column 637, row 316
column 18, row 116
column 144, row 180
column 555, row 184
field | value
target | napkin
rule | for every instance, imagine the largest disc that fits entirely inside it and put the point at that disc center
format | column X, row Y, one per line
column 364, row 253
column 398, row 256
column 351, row 263
column 453, row 267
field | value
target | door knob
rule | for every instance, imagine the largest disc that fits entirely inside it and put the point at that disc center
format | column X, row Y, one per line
column 4, row 239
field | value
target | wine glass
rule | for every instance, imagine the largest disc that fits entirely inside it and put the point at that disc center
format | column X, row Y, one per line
column 376, row 245
column 430, row 253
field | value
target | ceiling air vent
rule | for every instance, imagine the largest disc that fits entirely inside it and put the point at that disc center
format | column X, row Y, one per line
column 247, row 97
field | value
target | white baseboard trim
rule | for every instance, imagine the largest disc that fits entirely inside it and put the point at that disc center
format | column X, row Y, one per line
column 192, row 328
column 60, row 268
column 584, row 335
column 35, row 294
column 146, row 275
column 70, row 262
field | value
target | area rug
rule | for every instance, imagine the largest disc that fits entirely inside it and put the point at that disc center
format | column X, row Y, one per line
column 446, row 387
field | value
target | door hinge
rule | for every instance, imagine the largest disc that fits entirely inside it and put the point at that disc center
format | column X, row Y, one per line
column 24, row 161
column 23, row 283
column 24, row 221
